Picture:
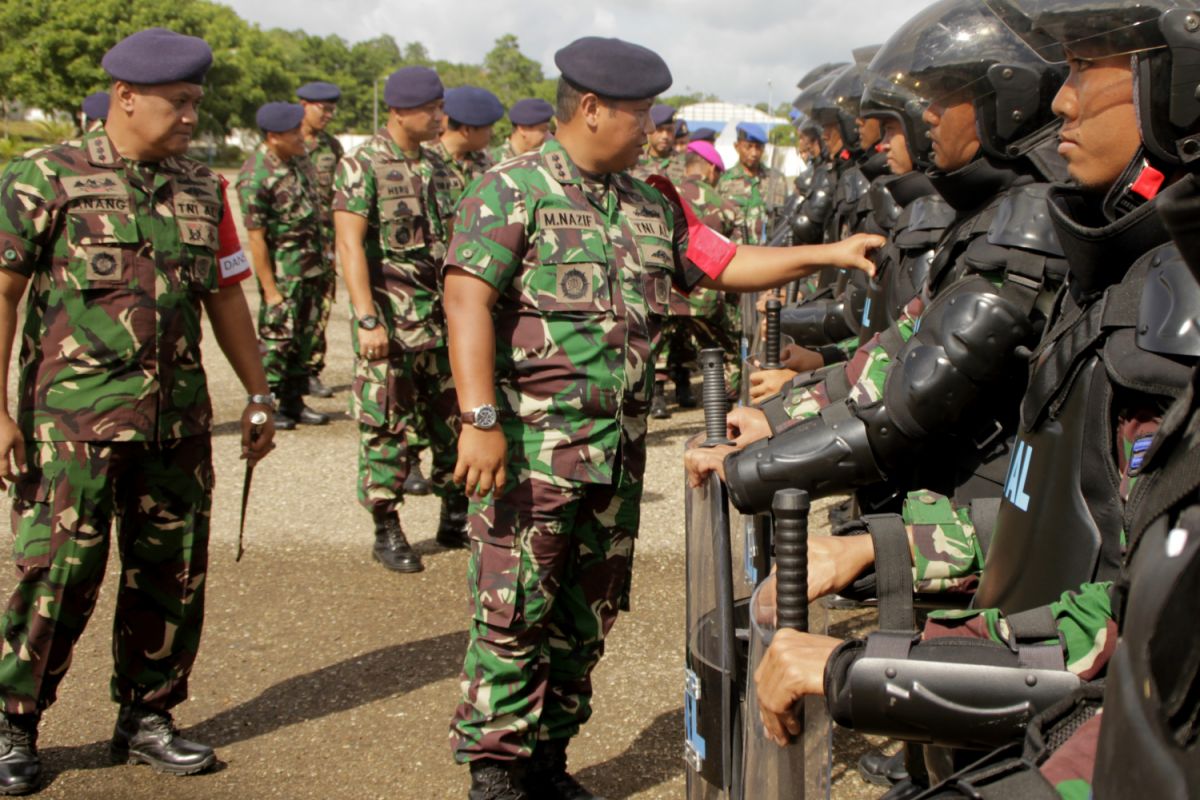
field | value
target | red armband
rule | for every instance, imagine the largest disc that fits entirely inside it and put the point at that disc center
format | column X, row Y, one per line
column 234, row 266
column 708, row 250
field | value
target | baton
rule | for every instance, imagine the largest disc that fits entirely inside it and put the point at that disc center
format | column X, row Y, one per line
column 712, row 396
column 257, row 420
column 771, row 345
column 790, row 509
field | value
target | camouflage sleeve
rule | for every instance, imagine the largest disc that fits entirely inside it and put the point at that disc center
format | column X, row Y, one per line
column 947, row 555
column 26, row 215
column 255, row 198
column 1086, row 628
column 1070, row 768
column 354, row 186
column 489, row 230
column 866, row 373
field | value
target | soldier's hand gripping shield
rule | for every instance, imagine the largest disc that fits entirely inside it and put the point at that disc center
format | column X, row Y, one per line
column 803, row 768
column 717, row 607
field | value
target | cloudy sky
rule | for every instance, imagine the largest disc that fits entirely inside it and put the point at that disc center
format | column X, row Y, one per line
column 726, row 47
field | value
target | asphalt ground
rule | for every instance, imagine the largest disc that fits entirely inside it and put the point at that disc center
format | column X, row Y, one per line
column 322, row 675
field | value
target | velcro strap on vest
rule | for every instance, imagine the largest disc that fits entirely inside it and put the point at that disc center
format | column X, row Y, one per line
column 837, row 385
column 776, row 412
column 1030, row 631
column 893, row 571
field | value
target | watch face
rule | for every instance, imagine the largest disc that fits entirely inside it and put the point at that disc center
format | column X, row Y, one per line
column 485, row 417
column 368, row 323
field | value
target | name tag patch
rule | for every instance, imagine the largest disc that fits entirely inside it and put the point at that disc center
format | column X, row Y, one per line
column 234, row 265
column 101, row 204
column 573, row 283
column 560, row 218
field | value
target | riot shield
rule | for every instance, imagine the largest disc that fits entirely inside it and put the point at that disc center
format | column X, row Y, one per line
column 803, row 768
column 711, row 694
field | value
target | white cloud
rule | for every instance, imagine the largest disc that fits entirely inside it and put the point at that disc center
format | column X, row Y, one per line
column 726, row 48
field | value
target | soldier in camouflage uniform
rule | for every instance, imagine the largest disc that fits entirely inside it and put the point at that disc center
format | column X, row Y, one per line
column 122, row 241
column 660, row 157
column 277, row 187
column 391, row 240
column 706, row 317
column 753, row 186
column 567, row 261
column 470, row 114
column 530, row 119
column 320, row 100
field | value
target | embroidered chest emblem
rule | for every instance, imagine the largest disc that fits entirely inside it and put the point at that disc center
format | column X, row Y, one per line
column 574, row 283
column 103, row 264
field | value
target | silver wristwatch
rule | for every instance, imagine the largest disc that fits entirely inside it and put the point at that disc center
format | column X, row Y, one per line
column 267, row 399
column 483, row 417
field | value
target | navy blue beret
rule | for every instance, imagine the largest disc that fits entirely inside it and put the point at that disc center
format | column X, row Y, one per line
column 530, row 111
column 279, row 117
column 157, row 55
column 319, row 92
column 703, row 135
column 662, row 114
column 95, row 106
column 613, row 68
column 470, row 105
column 409, row 87
column 752, row 132
column 681, row 128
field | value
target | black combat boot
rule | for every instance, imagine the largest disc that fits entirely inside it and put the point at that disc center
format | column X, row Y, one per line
column 292, row 405
column 145, row 736
column 20, row 767
column 316, row 388
column 495, row 780
column 452, row 529
column 283, row 420
column 546, row 778
column 658, row 401
column 880, row 769
column 416, row 483
column 683, row 388
column 391, row 546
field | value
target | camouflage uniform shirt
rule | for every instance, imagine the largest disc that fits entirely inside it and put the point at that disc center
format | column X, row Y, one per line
column 584, row 268
column 754, row 195
column 282, row 200
column 119, row 255
column 399, row 197
column 649, row 164
column 459, row 174
column 324, row 151
column 503, row 152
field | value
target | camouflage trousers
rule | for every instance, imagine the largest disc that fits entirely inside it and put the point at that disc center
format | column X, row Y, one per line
column 549, row 570
column 160, row 495
column 326, row 285
column 387, row 398
column 288, row 331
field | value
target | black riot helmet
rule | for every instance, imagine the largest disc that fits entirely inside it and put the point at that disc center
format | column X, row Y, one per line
column 958, row 51
column 886, row 98
column 838, row 104
column 1161, row 36
column 816, row 73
